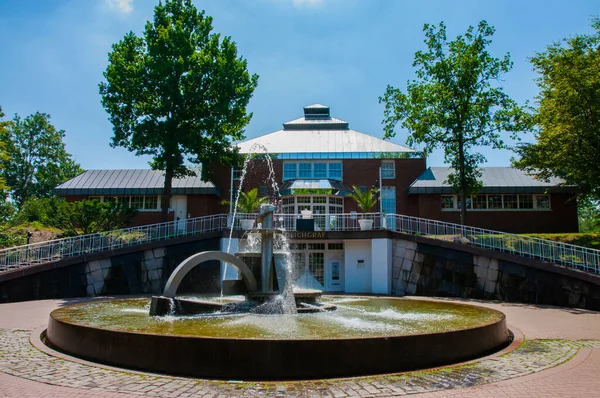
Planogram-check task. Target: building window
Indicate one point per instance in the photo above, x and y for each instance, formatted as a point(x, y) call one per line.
point(494, 201)
point(289, 171)
point(525, 201)
point(150, 202)
point(510, 201)
point(497, 202)
point(320, 170)
point(542, 202)
point(387, 169)
point(335, 171)
point(447, 202)
point(305, 170)
point(479, 202)
point(316, 170)
point(137, 202)
point(335, 246)
point(459, 202)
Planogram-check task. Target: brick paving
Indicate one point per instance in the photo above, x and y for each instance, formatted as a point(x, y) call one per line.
point(539, 368)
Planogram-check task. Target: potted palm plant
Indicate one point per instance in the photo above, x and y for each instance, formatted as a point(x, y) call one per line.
point(248, 202)
point(365, 202)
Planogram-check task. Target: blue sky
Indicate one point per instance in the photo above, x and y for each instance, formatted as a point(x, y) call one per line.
point(341, 53)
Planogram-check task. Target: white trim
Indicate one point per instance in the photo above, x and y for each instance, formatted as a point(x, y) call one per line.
point(393, 163)
point(155, 210)
point(312, 169)
point(534, 199)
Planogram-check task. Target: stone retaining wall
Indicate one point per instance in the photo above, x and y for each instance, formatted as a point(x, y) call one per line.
point(429, 270)
point(139, 272)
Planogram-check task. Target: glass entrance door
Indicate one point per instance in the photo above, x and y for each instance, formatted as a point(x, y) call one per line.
point(388, 205)
point(308, 265)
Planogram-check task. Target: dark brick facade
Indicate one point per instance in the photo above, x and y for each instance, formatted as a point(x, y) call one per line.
point(562, 217)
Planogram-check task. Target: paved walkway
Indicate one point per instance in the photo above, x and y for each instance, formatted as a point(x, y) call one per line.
point(560, 358)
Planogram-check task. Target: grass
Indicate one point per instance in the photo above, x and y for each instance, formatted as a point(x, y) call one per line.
point(591, 240)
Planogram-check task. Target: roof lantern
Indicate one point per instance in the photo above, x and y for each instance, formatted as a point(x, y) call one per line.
point(316, 111)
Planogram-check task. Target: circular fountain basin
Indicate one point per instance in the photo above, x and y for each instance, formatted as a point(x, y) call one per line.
point(364, 336)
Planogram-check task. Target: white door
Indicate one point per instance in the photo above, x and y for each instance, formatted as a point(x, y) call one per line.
point(335, 270)
point(179, 203)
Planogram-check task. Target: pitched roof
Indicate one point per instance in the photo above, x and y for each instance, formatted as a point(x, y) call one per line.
point(318, 132)
point(132, 182)
point(494, 179)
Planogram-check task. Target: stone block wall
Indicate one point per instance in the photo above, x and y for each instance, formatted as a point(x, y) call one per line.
point(430, 270)
point(141, 272)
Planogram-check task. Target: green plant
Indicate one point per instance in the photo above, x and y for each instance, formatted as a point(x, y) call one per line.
point(92, 216)
point(364, 200)
point(249, 201)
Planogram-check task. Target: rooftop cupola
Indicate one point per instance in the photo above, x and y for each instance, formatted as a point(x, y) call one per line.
point(316, 117)
point(316, 111)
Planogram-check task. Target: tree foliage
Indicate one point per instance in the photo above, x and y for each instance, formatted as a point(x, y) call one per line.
point(568, 113)
point(37, 160)
point(178, 93)
point(588, 212)
point(84, 216)
point(456, 103)
point(3, 154)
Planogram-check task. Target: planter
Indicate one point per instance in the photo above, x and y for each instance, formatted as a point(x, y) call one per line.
point(247, 224)
point(365, 225)
point(306, 214)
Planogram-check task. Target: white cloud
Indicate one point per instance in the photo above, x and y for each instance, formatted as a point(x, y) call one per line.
point(124, 6)
point(307, 3)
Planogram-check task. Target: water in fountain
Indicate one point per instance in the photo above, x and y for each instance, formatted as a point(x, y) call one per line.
point(254, 149)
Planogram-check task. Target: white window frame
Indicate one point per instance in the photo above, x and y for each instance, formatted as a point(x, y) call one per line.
point(158, 200)
point(328, 174)
point(393, 170)
point(534, 208)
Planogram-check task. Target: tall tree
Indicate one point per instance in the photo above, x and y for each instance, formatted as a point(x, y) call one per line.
point(37, 159)
point(456, 103)
point(3, 155)
point(568, 113)
point(178, 93)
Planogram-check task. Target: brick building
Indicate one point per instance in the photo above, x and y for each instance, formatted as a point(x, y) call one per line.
point(316, 160)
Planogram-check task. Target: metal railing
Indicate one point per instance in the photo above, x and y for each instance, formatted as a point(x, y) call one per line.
point(560, 253)
point(43, 252)
point(578, 257)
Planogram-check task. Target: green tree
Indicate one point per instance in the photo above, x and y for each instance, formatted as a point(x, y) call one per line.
point(456, 103)
point(3, 155)
point(588, 211)
point(567, 115)
point(178, 93)
point(84, 216)
point(37, 159)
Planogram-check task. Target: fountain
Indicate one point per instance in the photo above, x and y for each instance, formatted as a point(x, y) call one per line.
point(270, 330)
point(274, 295)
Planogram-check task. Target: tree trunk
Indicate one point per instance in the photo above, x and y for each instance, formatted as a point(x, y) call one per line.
point(462, 182)
point(166, 196)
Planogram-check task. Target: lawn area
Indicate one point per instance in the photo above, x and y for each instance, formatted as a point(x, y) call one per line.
point(17, 235)
point(585, 239)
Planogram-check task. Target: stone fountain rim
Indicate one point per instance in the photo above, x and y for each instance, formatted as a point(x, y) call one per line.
point(500, 319)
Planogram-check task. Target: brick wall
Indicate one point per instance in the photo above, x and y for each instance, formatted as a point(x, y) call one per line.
point(561, 218)
point(365, 172)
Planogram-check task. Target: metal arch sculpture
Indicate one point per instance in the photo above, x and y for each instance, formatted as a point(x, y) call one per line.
point(189, 263)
